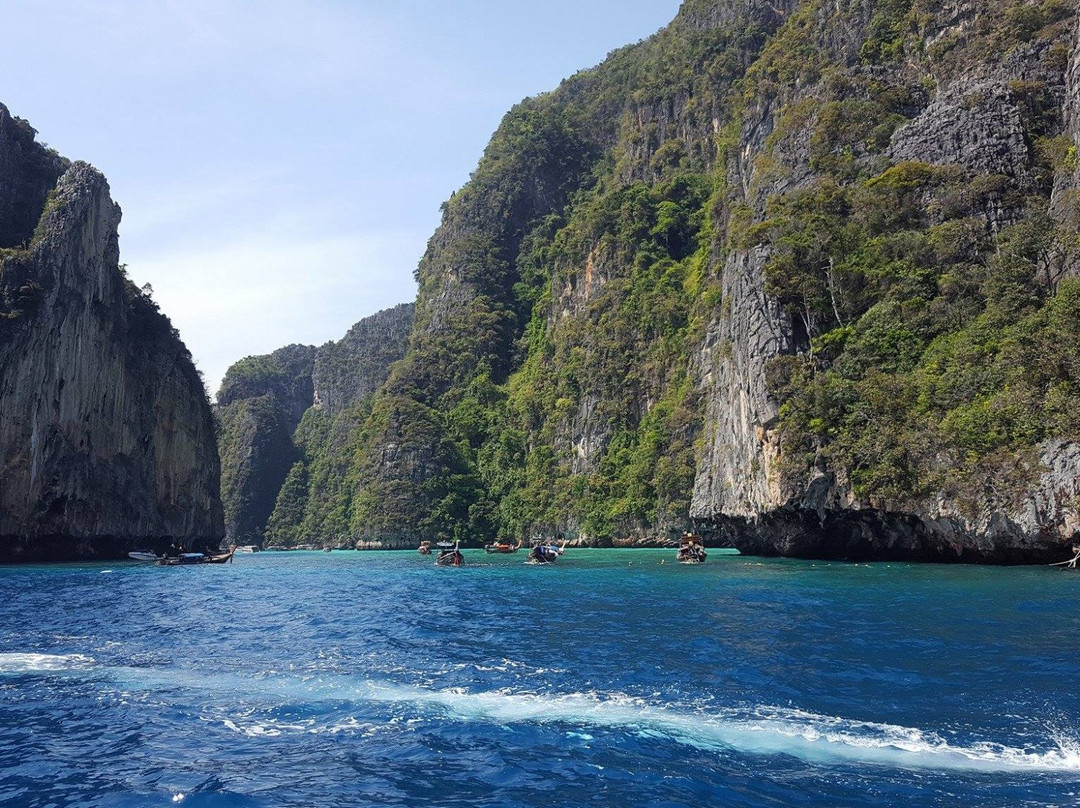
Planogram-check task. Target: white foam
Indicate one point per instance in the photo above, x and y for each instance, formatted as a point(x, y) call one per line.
point(30, 663)
point(766, 731)
point(266, 729)
point(762, 730)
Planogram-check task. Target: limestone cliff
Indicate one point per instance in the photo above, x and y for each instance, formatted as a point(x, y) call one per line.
point(546, 385)
point(261, 401)
point(973, 87)
point(106, 437)
point(277, 411)
point(353, 368)
point(791, 226)
point(801, 274)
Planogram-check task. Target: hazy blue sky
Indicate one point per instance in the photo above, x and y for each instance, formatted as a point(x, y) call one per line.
point(281, 163)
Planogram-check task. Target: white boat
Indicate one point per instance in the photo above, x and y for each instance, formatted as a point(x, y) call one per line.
point(248, 548)
point(142, 555)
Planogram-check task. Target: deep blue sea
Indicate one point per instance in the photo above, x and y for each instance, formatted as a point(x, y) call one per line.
point(607, 679)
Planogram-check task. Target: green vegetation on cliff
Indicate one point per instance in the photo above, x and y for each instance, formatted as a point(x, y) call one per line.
point(871, 204)
point(548, 382)
point(290, 424)
point(932, 300)
point(931, 336)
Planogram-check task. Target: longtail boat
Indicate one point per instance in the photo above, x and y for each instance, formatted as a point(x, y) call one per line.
point(190, 559)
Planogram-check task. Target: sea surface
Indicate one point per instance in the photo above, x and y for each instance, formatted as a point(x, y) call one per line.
point(612, 678)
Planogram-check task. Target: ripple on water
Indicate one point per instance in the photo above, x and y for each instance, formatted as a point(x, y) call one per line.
point(376, 679)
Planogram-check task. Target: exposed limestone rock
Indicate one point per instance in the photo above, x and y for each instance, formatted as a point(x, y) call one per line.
point(706, 14)
point(827, 523)
point(29, 173)
point(737, 474)
point(743, 495)
point(107, 440)
point(352, 368)
point(1065, 199)
point(974, 123)
point(264, 398)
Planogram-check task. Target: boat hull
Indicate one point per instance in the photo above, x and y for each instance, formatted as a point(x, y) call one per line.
point(196, 559)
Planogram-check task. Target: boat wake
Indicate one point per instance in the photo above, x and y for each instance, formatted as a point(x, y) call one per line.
point(277, 704)
point(762, 730)
point(43, 663)
point(810, 737)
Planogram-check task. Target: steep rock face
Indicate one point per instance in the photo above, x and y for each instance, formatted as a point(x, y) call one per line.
point(277, 410)
point(351, 369)
point(709, 15)
point(1067, 175)
point(29, 172)
point(107, 439)
point(286, 374)
point(974, 122)
point(260, 403)
point(257, 452)
point(985, 118)
point(737, 473)
point(879, 175)
point(826, 523)
point(801, 272)
point(556, 298)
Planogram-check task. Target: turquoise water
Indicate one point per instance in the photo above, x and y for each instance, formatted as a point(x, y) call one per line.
point(607, 679)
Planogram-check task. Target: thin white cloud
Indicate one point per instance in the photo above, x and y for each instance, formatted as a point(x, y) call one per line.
point(151, 210)
point(264, 291)
point(281, 163)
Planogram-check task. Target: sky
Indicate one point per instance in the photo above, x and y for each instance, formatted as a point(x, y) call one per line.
point(281, 164)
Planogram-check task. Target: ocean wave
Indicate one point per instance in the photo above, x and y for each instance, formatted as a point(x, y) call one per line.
point(31, 663)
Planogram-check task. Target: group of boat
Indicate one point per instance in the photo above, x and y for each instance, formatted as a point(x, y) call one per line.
point(447, 554)
point(546, 551)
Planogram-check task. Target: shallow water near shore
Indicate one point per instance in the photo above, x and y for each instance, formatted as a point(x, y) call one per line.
point(609, 678)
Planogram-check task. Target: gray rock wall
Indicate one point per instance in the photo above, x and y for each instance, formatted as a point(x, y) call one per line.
point(27, 173)
point(351, 369)
point(286, 374)
point(1065, 201)
point(1036, 526)
point(107, 440)
point(264, 398)
point(737, 471)
point(974, 119)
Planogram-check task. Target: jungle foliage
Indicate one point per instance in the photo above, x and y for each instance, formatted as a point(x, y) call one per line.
point(550, 381)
